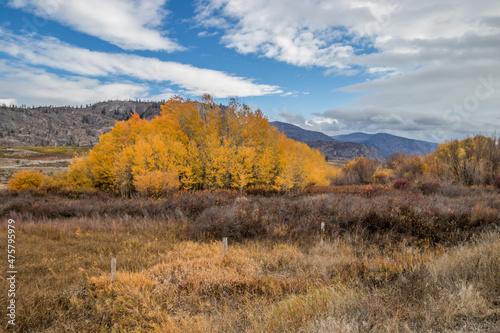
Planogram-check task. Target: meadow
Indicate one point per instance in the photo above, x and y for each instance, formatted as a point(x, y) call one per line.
point(394, 260)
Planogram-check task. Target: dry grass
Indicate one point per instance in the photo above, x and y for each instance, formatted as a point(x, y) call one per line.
point(172, 277)
point(456, 292)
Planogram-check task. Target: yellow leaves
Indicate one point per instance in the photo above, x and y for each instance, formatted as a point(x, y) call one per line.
point(383, 176)
point(157, 183)
point(472, 161)
point(194, 145)
point(241, 169)
point(24, 180)
point(79, 173)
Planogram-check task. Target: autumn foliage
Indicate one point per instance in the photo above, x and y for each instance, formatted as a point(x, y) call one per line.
point(25, 180)
point(196, 146)
point(473, 161)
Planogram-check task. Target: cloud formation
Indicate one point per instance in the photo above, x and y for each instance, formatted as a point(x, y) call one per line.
point(53, 53)
point(34, 86)
point(128, 24)
point(423, 61)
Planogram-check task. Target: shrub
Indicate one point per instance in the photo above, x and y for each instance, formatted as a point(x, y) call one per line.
point(360, 171)
point(383, 176)
point(496, 182)
point(369, 191)
point(25, 180)
point(429, 187)
point(401, 184)
point(157, 183)
point(404, 166)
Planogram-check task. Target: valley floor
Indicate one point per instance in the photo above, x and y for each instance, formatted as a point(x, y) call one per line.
point(276, 277)
point(47, 160)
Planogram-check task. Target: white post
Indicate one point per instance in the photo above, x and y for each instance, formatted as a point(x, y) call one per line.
point(322, 233)
point(224, 247)
point(113, 269)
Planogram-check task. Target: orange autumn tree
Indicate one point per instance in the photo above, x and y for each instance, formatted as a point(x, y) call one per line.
point(200, 145)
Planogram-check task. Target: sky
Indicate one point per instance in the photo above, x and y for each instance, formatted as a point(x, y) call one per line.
point(426, 69)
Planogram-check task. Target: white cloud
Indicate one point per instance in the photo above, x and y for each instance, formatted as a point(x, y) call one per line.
point(297, 32)
point(129, 24)
point(53, 53)
point(334, 33)
point(8, 101)
point(422, 58)
point(32, 86)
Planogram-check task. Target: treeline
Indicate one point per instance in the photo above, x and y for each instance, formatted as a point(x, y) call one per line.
point(204, 146)
point(196, 146)
point(472, 161)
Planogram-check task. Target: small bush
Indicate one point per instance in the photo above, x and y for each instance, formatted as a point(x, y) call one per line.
point(383, 176)
point(25, 180)
point(401, 184)
point(454, 190)
point(370, 191)
point(496, 182)
point(429, 187)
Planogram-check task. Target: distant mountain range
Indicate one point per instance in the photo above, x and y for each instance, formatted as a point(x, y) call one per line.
point(376, 146)
point(300, 134)
point(82, 126)
point(388, 144)
point(328, 146)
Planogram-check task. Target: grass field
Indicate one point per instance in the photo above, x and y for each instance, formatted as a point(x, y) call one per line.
point(276, 277)
point(23, 152)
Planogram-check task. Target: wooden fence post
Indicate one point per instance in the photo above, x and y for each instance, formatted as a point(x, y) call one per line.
point(113, 269)
point(224, 247)
point(323, 236)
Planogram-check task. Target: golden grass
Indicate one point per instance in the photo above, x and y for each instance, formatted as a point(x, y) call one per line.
point(167, 283)
point(67, 152)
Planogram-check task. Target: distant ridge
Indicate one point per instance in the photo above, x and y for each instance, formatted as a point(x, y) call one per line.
point(300, 134)
point(331, 148)
point(388, 144)
point(66, 125)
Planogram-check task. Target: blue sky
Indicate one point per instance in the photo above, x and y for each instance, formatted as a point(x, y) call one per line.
point(428, 70)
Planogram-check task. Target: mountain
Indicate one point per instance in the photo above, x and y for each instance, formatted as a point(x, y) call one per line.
point(300, 134)
point(345, 151)
point(67, 126)
point(331, 148)
point(82, 126)
point(388, 144)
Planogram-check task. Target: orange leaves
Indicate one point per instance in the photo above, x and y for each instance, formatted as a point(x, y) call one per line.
point(200, 145)
point(24, 180)
point(157, 183)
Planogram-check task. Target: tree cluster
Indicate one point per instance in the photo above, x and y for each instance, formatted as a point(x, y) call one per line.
point(198, 145)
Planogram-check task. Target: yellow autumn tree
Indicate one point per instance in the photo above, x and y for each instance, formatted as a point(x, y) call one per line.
point(472, 161)
point(199, 145)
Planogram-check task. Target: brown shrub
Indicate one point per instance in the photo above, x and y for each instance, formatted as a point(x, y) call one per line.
point(496, 182)
point(429, 187)
point(401, 184)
